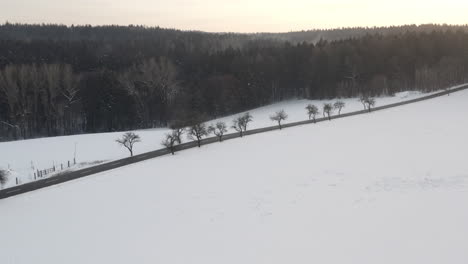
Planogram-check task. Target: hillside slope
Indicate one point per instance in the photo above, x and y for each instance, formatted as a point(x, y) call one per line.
point(388, 187)
point(25, 157)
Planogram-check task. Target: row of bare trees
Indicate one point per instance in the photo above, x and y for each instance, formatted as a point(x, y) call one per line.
point(329, 108)
point(199, 129)
point(196, 132)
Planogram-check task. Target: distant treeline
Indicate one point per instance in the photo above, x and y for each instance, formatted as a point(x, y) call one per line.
point(58, 80)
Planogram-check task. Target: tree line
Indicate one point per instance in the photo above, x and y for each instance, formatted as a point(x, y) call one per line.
point(197, 130)
point(58, 80)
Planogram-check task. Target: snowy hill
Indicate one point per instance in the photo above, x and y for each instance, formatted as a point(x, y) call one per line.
point(27, 156)
point(387, 187)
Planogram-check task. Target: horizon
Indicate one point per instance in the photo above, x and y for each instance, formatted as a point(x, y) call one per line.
point(231, 32)
point(259, 16)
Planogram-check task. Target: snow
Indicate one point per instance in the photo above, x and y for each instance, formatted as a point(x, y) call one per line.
point(25, 157)
point(385, 187)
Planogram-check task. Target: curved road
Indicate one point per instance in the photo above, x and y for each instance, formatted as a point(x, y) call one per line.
point(39, 184)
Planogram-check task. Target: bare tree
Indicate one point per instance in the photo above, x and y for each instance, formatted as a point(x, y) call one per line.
point(368, 102)
point(178, 132)
point(219, 130)
point(128, 140)
point(246, 119)
point(178, 128)
point(312, 111)
point(169, 142)
point(70, 91)
point(197, 132)
point(237, 125)
point(363, 100)
point(339, 105)
point(3, 177)
point(328, 110)
point(241, 122)
point(279, 117)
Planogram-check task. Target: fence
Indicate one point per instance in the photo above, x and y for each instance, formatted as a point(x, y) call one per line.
point(43, 173)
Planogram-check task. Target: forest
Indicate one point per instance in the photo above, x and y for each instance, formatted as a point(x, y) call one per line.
point(63, 80)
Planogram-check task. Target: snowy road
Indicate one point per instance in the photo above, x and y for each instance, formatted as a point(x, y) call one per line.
point(73, 175)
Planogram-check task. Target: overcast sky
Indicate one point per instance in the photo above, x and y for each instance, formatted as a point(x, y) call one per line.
point(237, 15)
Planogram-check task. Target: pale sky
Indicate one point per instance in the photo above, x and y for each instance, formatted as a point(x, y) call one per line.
point(236, 15)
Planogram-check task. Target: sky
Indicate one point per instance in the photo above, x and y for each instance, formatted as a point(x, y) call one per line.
point(236, 15)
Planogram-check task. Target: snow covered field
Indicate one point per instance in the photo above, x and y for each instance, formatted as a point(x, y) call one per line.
point(25, 157)
point(387, 187)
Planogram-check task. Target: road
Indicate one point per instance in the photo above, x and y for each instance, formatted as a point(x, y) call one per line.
point(69, 176)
